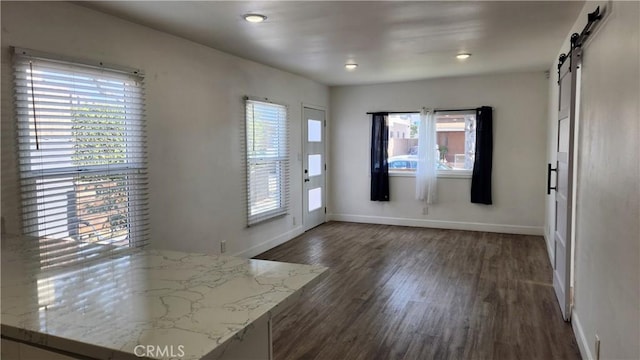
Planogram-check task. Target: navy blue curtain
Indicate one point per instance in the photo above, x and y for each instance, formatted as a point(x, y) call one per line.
point(379, 166)
point(481, 180)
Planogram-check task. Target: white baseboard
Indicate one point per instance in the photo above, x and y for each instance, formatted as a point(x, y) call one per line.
point(439, 224)
point(583, 344)
point(550, 252)
point(269, 244)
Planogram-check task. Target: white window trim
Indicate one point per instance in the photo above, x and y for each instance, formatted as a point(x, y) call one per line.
point(455, 174)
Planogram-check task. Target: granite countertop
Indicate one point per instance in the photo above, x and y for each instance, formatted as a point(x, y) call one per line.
point(105, 307)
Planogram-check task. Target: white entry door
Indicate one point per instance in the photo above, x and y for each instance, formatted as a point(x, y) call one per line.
point(562, 235)
point(314, 168)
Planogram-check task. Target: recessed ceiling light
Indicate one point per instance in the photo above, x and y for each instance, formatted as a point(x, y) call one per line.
point(463, 56)
point(350, 66)
point(255, 18)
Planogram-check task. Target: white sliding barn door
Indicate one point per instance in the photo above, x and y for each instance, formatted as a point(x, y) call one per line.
point(564, 188)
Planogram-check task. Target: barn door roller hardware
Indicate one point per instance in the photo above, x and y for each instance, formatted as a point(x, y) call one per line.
point(577, 40)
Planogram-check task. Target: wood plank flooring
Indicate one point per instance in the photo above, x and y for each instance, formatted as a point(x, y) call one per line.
point(412, 293)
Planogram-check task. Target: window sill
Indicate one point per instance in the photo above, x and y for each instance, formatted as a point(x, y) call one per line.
point(452, 174)
point(455, 174)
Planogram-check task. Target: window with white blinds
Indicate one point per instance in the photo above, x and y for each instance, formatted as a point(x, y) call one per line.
point(82, 153)
point(267, 160)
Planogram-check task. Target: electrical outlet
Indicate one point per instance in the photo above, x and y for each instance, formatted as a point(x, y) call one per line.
point(425, 210)
point(597, 348)
point(223, 247)
point(294, 220)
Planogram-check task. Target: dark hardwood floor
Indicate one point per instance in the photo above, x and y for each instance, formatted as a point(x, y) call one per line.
point(412, 293)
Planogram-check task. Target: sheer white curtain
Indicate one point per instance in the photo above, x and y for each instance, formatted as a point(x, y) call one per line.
point(427, 171)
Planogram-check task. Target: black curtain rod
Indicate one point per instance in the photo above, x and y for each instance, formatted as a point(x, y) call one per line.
point(413, 112)
point(393, 112)
point(450, 110)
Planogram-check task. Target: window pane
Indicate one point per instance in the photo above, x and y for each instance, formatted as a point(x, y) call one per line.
point(315, 199)
point(314, 129)
point(403, 142)
point(315, 167)
point(265, 187)
point(456, 141)
point(81, 143)
point(267, 160)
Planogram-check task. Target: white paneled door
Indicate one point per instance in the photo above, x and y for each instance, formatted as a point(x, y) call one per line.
point(314, 167)
point(562, 235)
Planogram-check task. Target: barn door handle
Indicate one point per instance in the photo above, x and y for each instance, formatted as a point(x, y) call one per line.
point(549, 170)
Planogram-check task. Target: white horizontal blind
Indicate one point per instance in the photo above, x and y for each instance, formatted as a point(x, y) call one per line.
point(82, 155)
point(267, 151)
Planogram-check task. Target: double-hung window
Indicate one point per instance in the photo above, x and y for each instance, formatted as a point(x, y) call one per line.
point(455, 139)
point(81, 150)
point(267, 160)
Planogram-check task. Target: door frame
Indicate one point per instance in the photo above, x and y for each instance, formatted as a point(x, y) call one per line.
point(304, 223)
point(574, 195)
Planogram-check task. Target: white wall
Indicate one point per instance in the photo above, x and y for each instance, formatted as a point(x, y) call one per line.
point(194, 113)
point(607, 245)
point(519, 101)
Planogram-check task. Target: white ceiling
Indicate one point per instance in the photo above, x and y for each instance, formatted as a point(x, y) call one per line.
point(391, 41)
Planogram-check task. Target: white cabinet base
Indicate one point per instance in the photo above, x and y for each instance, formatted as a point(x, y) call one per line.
point(255, 344)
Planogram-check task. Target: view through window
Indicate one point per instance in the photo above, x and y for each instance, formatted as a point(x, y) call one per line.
point(456, 140)
point(82, 153)
point(267, 155)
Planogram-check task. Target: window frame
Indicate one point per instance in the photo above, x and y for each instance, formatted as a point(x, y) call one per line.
point(446, 174)
point(32, 175)
point(282, 162)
